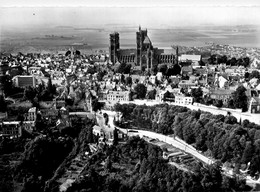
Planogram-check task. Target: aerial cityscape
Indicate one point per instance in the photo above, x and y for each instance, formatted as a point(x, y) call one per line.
point(127, 99)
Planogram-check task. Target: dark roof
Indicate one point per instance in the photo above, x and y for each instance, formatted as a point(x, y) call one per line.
point(123, 52)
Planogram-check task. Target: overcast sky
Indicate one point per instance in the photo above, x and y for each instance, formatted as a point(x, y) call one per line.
point(152, 13)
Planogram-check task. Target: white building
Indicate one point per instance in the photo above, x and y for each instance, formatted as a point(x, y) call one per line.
point(152, 79)
point(117, 96)
point(11, 128)
point(195, 59)
point(183, 100)
point(24, 81)
point(31, 116)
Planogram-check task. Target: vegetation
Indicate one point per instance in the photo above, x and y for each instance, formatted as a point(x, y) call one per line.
point(138, 166)
point(32, 161)
point(218, 59)
point(220, 136)
point(239, 99)
point(123, 68)
point(2, 104)
point(140, 91)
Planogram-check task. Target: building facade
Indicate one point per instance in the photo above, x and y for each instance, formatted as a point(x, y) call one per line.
point(221, 94)
point(144, 55)
point(114, 47)
point(32, 114)
point(117, 96)
point(11, 129)
point(24, 81)
point(183, 100)
point(254, 105)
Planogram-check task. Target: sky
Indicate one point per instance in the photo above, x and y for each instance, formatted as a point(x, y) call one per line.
point(152, 13)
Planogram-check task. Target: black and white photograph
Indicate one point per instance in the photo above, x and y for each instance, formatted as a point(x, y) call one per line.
point(129, 96)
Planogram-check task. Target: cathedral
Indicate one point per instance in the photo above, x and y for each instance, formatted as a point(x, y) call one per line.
point(144, 55)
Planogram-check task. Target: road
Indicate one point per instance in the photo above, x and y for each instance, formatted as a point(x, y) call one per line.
point(176, 142)
point(164, 138)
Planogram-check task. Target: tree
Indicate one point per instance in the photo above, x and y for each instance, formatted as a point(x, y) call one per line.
point(77, 52)
point(248, 152)
point(163, 68)
point(140, 89)
point(115, 132)
point(68, 53)
point(100, 75)
point(90, 138)
point(122, 78)
point(128, 80)
point(51, 89)
point(197, 94)
point(151, 94)
point(254, 74)
point(174, 70)
point(232, 61)
point(105, 115)
point(154, 69)
point(121, 68)
point(7, 85)
point(29, 93)
point(247, 75)
point(2, 104)
point(96, 105)
point(108, 164)
point(218, 103)
point(246, 61)
point(212, 59)
point(124, 68)
point(240, 98)
point(127, 69)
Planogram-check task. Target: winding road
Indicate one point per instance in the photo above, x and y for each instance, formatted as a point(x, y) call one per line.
point(164, 138)
point(176, 142)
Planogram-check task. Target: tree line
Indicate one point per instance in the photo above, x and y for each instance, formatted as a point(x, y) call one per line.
point(222, 137)
point(139, 166)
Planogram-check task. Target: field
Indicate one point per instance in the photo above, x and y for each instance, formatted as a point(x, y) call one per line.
point(88, 40)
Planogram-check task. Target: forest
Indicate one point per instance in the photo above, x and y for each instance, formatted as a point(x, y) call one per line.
point(218, 136)
point(139, 166)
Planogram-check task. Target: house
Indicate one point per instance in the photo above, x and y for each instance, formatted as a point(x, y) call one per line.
point(200, 71)
point(221, 94)
point(160, 95)
point(117, 96)
point(64, 120)
point(32, 114)
point(64, 113)
point(186, 70)
point(255, 63)
point(98, 131)
point(183, 100)
point(59, 103)
point(195, 59)
point(254, 105)
point(49, 114)
point(221, 82)
point(152, 79)
point(11, 129)
point(88, 100)
point(28, 126)
point(24, 81)
point(174, 79)
point(104, 134)
point(187, 84)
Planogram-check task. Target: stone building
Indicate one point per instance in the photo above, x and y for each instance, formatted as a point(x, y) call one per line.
point(144, 55)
